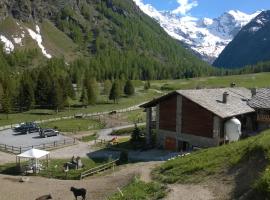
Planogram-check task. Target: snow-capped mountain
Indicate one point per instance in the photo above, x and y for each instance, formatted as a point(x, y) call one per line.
point(254, 42)
point(206, 37)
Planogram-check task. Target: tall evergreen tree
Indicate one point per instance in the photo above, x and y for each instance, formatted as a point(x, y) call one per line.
point(84, 97)
point(43, 88)
point(107, 87)
point(26, 95)
point(1, 91)
point(129, 88)
point(6, 103)
point(115, 92)
point(92, 91)
point(57, 99)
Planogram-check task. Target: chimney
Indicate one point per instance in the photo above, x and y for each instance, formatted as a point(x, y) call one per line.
point(253, 91)
point(225, 97)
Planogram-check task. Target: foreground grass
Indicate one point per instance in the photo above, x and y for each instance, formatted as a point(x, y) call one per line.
point(55, 169)
point(74, 125)
point(139, 190)
point(200, 165)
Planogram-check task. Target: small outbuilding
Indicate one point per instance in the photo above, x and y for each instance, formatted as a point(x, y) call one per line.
point(34, 156)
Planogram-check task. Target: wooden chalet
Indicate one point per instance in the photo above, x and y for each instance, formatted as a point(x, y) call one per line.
point(195, 118)
point(260, 101)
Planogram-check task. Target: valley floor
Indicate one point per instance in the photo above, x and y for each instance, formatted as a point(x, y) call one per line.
point(98, 187)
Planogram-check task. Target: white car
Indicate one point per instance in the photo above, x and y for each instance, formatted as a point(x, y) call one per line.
point(48, 132)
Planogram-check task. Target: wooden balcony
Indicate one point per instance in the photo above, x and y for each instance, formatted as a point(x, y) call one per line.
point(263, 118)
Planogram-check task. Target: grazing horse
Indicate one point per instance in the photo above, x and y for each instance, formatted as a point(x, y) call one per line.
point(77, 192)
point(44, 197)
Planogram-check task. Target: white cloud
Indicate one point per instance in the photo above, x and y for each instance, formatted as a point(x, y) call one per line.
point(185, 6)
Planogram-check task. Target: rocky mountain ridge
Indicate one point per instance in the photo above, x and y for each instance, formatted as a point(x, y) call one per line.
point(206, 37)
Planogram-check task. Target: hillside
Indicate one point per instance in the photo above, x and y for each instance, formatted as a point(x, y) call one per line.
point(241, 169)
point(114, 34)
point(250, 46)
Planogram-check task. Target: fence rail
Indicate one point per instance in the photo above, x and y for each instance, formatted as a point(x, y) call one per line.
point(130, 109)
point(44, 146)
point(98, 169)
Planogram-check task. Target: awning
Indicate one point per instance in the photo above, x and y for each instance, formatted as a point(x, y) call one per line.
point(33, 153)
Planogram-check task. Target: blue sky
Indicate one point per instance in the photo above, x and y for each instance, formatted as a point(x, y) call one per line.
point(209, 8)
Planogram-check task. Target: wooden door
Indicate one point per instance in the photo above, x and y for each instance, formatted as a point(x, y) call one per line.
point(170, 144)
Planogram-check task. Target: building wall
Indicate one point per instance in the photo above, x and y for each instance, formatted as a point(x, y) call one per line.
point(196, 120)
point(167, 114)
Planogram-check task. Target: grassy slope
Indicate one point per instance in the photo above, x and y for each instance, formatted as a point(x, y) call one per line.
point(204, 164)
point(58, 43)
point(248, 80)
point(141, 191)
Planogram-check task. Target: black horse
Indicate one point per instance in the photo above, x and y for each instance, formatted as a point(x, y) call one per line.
point(77, 192)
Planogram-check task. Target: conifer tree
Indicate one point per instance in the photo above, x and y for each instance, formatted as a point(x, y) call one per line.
point(57, 100)
point(43, 89)
point(129, 88)
point(92, 91)
point(6, 103)
point(107, 87)
point(26, 95)
point(84, 98)
point(115, 92)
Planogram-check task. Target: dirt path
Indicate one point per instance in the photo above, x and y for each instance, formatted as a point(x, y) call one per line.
point(6, 158)
point(98, 187)
point(189, 192)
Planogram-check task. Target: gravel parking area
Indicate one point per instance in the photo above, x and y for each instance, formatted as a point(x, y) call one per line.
point(11, 138)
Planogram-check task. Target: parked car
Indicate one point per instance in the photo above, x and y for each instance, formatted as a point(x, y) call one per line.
point(48, 132)
point(28, 127)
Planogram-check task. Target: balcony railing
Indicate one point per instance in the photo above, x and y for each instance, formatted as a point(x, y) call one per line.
point(263, 117)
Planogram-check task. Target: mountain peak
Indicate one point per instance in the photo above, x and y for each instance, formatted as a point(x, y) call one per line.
point(255, 35)
point(206, 37)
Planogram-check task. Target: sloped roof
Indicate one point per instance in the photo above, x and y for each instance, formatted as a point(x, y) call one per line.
point(261, 99)
point(33, 153)
point(212, 100)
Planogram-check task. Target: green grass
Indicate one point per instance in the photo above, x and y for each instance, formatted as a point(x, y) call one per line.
point(202, 165)
point(247, 80)
point(56, 168)
point(57, 42)
point(74, 125)
point(89, 138)
point(103, 105)
point(138, 190)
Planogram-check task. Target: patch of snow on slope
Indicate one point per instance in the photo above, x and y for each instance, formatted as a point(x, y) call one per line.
point(37, 36)
point(8, 45)
point(18, 40)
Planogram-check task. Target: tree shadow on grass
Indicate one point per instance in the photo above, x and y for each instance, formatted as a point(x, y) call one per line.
point(246, 173)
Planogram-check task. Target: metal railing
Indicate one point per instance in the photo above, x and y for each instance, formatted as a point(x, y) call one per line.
point(98, 169)
point(44, 146)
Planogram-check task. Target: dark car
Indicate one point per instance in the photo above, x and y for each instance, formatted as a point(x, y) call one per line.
point(28, 127)
point(48, 132)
